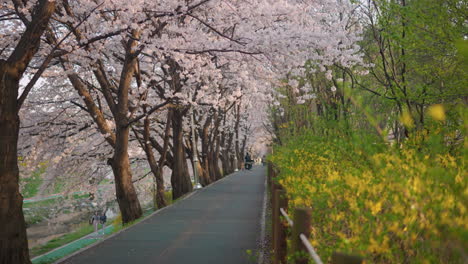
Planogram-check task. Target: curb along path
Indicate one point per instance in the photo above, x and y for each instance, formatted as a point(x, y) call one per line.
point(217, 224)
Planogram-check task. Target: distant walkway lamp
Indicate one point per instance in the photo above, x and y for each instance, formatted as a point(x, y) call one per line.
point(195, 154)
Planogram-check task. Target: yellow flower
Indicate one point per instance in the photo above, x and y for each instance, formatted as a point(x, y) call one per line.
point(406, 119)
point(376, 207)
point(437, 112)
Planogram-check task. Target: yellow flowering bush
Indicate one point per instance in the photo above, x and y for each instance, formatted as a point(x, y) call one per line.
point(387, 204)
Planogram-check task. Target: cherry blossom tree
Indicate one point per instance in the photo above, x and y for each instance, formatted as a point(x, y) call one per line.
point(128, 61)
point(17, 52)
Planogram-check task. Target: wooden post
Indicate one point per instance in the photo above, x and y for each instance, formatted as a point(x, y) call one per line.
point(302, 224)
point(274, 215)
point(272, 182)
point(272, 187)
point(279, 228)
point(339, 258)
point(269, 173)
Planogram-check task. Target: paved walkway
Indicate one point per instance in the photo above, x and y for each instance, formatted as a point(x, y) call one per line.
point(218, 224)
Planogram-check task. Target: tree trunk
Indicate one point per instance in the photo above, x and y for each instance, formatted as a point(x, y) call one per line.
point(229, 156)
point(239, 156)
point(214, 148)
point(212, 165)
point(180, 179)
point(226, 163)
point(156, 169)
point(127, 197)
point(242, 150)
point(160, 197)
point(232, 161)
point(205, 156)
point(158, 177)
point(218, 172)
point(13, 240)
point(226, 155)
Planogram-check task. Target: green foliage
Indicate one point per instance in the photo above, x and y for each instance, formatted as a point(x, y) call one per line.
point(106, 181)
point(77, 196)
point(43, 203)
point(32, 184)
point(59, 185)
point(85, 229)
point(118, 221)
point(417, 51)
point(168, 197)
point(37, 211)
point(251, 257)
point(389, 204)
point(381, 157)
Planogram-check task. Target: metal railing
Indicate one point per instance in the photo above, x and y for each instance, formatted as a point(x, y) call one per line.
point(300, 223)
point(305, 241)
point(286, 216)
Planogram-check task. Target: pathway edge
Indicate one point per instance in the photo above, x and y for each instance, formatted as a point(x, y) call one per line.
point(126, 228)
point(261, 243)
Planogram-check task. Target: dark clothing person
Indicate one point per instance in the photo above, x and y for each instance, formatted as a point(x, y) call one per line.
point(248, 158)
point(248, 161)
point(103, 223)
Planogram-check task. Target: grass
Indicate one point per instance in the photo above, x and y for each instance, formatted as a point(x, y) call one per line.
point(80, 196)
point(84, 230)
point(51, 201)
point(35, 212)
point(59, 185)
point(106, 181)
point(43, 203)
point(33, 219)
point(32, 184)
point(168, 196)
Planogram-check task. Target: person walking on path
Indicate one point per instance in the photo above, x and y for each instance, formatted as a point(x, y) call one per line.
point(95, 219)
point(248, 161)
point(103, 221)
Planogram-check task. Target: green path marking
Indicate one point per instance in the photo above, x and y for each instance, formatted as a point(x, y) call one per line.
point(69, 248)
point(76, 245)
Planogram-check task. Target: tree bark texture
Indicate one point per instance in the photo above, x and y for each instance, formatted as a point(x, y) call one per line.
point(156, 169)
point(13, 240)
point(217, 170)
point(202, 174)
point(204, 157)
point(127, 197)
point(226, 157)
point(213, 150)
point(180, 179)
point(239, 156)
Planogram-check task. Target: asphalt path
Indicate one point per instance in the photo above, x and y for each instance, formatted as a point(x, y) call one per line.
point(220, 223)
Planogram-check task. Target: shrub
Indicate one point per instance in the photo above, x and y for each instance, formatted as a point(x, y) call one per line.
point(390, 204)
